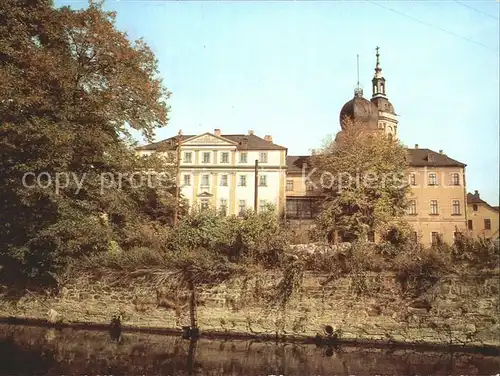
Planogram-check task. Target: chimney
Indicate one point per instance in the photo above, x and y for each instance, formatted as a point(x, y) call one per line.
point(251, 132)
point(268, 138)
point(476, 193)
point(416, 146)
point(441, 151)
point(217, 131)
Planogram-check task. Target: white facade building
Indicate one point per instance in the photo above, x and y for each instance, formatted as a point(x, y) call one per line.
point(218, 170)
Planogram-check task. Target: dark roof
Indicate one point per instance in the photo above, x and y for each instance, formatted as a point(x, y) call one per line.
point(430, 158)
point(359, 110)
point(475, 199)
point(294, 163)
point(254, 142)
point(416, 158)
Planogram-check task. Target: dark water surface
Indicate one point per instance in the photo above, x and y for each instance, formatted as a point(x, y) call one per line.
point(42, 351)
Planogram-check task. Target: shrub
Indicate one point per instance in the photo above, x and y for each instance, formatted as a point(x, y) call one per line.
point(479, 252)
point(417, 271)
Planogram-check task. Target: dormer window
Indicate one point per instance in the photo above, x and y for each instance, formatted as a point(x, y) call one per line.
point(430, 157)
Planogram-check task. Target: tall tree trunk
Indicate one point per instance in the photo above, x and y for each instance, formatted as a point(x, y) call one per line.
point(192, 305)
point(191, 356)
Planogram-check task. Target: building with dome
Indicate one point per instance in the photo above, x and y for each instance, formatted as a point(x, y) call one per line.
point(218, 170)
point(376, 113)
point(437, 200)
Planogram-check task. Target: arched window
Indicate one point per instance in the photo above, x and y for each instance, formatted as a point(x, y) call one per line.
point(382, 90)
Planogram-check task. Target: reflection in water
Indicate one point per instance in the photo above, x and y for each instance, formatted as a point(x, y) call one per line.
point(42, 351)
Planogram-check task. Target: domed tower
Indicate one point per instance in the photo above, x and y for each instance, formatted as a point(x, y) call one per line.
point(359, 110)
point(387, 120)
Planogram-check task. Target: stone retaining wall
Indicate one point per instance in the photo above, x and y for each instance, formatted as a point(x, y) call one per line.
point(461, 311)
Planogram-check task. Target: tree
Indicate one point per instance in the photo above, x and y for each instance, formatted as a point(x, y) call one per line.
point(72, 87)
point(362, 173)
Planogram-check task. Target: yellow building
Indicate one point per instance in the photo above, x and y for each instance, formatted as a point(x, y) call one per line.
point(302, 198)
point(482, 218)
point(437, 202)
point(437, 182)
point(218, 170)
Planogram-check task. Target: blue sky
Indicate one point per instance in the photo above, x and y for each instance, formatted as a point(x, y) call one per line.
point(285, 68)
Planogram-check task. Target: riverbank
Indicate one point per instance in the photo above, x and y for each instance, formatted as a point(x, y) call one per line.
point(323, 341)
point(29, 350)
point(368, 309)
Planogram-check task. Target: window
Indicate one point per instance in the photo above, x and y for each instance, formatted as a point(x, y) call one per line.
point(469, 224)
point(263, 180)
point(205, 180)
point(263, 157)
point(432, 179)
point(487, 224)
point(455, 179)
point(204, 204)
point(309, 186)
point(474, 207)
point(187, 180)
point(206, 157)
point(434, 207)
point(223, 180)
point(289, 185)
point(413, 179)
point(262, 205)
point(188, 157)
point(243, 180)
point(243, 157)
point(434, 238)
point(301, 208)
point(412, 207)
point(241, 208)
point(223, 206)
point(224, 157)
point(456, 207)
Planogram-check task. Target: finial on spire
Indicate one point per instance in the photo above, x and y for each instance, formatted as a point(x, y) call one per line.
point(377, 67)
point(358, 92)
point(357, 61)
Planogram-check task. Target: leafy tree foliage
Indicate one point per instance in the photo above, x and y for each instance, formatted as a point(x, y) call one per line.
point(72, 87)
point(207, 248)
point(363, 175)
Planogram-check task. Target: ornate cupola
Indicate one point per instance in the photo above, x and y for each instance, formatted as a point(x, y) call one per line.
point(378, 80)
point(387, 121)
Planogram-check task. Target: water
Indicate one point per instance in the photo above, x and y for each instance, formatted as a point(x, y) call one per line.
point(42, 351)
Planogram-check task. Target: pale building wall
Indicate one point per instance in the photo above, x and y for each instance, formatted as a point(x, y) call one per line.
point(388, 123)
point(445, 222)
point(273, 169)
point(299, 187)
point(478, 216)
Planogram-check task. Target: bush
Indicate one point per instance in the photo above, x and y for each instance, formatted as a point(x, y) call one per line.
point(479, 253)
point(254, 238)
point(419, 270)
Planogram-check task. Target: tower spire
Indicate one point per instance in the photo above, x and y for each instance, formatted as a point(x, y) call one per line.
point(377, 67)
point(358, 92)
point(378, 79)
